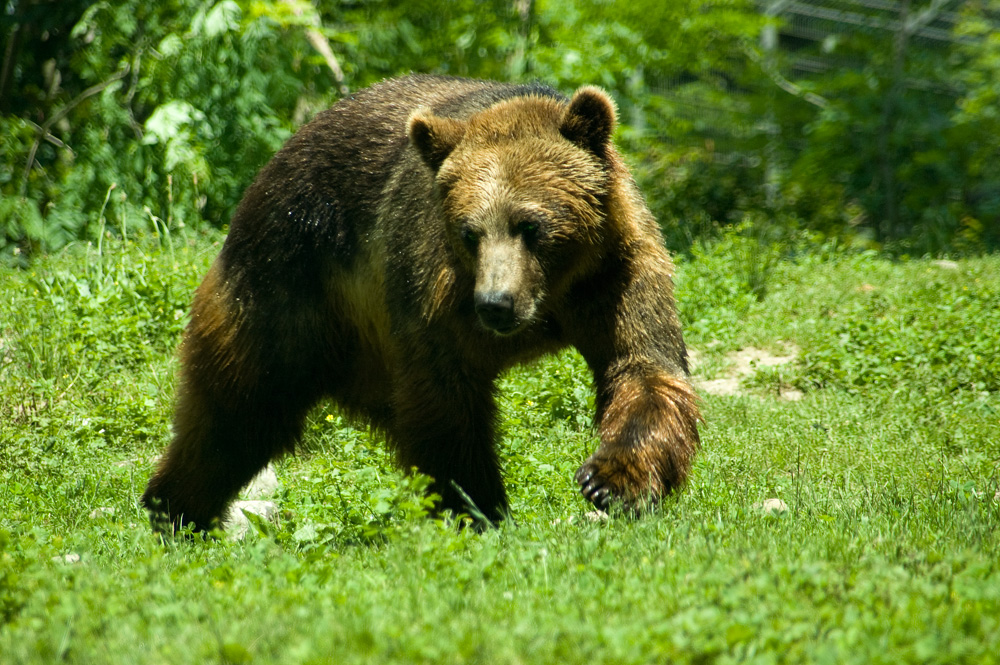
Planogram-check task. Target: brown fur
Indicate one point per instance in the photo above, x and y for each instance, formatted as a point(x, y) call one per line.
point(399, 253)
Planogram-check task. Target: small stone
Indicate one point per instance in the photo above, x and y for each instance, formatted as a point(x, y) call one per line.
point(597, 516)
point(946, 264)
point(771, 506)
point(236, 522)
point(263, 484)
point(103, 511)
point(70, 558)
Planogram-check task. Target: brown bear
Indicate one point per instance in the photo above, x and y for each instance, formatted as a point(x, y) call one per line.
point(401, 251)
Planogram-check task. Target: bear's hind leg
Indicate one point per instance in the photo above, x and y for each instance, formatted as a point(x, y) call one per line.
point(247, 381)
point(217, 449)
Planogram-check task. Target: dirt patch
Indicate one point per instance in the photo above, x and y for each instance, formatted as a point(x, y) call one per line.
point(741, 364)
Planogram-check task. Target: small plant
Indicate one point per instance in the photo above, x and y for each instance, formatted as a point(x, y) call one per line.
point(924, 326)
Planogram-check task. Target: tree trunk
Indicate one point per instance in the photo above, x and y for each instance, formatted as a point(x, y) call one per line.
point(888, 227)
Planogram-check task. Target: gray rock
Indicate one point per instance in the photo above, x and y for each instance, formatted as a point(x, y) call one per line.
point(263, 484)
point(771, 506)
point(236, 522)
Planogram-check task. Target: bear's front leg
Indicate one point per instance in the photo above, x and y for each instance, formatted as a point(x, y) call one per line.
point(444, 424)
point(647, 420)
point(647, 413)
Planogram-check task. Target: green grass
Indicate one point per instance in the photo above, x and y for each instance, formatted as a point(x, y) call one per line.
point(889, 465)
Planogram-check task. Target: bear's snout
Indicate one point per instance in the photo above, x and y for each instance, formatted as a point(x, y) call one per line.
point(503, 272)
point(495, 310)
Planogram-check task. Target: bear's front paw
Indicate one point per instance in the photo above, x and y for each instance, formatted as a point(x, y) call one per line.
point(593, 486)
point(605, 480)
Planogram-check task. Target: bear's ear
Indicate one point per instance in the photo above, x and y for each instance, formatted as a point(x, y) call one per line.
point(434, 137)
point(589, 120)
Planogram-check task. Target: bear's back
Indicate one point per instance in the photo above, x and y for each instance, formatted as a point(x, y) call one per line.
point(318, 197)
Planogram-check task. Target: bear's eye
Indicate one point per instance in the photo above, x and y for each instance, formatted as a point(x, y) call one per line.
point(528, 230)
point(469, 237)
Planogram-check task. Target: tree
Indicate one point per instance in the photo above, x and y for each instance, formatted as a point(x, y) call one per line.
point(881, 126)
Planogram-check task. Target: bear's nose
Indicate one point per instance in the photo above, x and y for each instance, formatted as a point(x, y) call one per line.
point(496, 310)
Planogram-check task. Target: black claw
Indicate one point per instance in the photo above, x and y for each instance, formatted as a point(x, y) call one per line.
point(593, 488)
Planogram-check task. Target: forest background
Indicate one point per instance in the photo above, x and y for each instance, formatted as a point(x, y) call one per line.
point(869, 122)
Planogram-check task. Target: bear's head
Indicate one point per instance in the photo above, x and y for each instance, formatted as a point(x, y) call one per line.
point(522, 187)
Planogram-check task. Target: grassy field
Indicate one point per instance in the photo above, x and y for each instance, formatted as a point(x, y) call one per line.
point(888, 465)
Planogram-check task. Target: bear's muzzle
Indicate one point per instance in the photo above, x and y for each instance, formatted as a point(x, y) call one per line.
point(495, 310)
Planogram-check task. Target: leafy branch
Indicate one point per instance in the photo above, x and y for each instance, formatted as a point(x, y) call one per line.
point(772, 73)
point(319, 40)
point(42, 132)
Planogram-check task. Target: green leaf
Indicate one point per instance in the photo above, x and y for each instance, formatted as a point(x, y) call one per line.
point(168, 119)
point(222, 18)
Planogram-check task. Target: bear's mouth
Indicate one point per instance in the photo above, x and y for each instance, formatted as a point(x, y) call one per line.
point(497, 313)
point(501, 326)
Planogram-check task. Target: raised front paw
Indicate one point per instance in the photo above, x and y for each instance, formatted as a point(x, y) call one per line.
point(605, 480)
